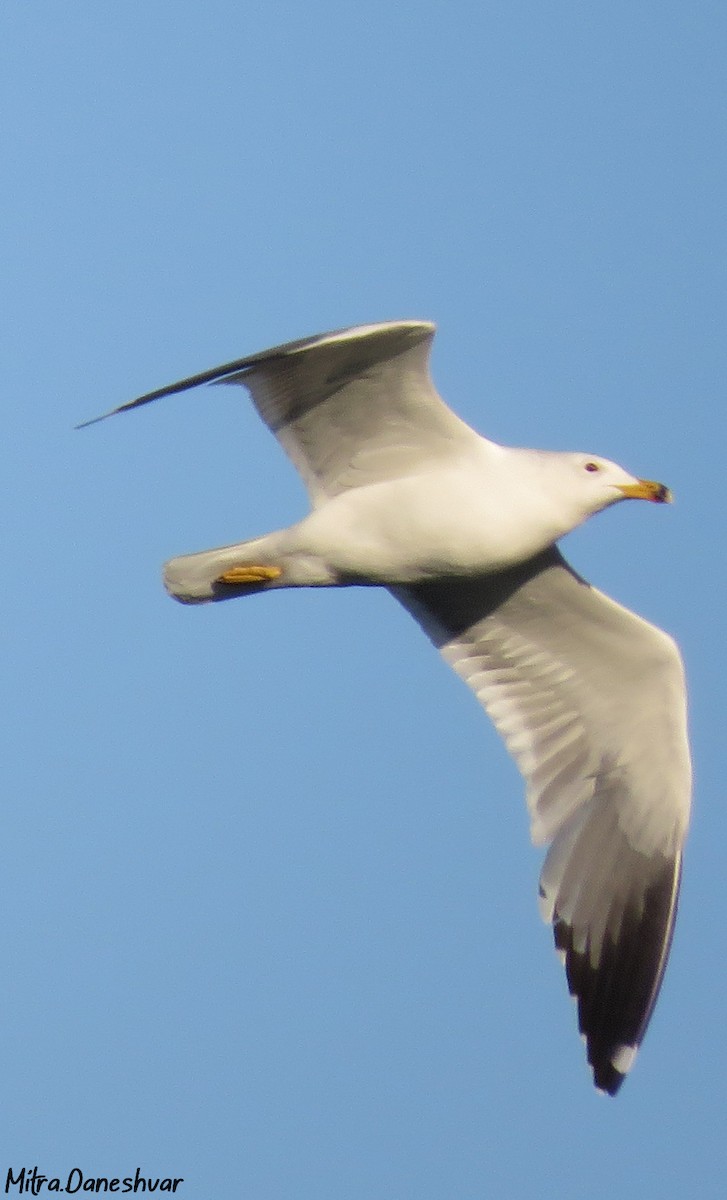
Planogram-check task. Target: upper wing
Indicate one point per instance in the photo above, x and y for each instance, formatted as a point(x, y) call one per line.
point(590, 700)
point(350, 407)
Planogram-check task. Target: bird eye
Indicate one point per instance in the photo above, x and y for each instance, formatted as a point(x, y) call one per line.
point(592, 466)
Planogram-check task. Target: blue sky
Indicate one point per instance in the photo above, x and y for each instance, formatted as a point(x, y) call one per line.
point(268, 901)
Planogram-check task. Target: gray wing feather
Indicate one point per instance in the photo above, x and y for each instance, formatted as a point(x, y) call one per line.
point(350, 407)
point(590, 701)
point(355, 407)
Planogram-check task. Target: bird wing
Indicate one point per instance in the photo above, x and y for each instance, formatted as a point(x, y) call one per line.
point(590, 701)
point(351, 407)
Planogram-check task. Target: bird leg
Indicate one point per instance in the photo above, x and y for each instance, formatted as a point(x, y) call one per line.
point(249, 574)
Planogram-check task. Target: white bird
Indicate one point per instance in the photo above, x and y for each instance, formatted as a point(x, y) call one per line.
point(589, 698)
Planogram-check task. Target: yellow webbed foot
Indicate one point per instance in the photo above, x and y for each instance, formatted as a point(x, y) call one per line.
point(252, 574)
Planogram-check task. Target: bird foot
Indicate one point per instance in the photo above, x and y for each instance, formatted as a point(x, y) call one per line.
point(252, 574)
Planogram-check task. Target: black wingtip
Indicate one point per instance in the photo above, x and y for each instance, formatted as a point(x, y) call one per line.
point(171, 389)
point(607, 1079)
point(95, 420)
point(600, 1011)
point(617, 993)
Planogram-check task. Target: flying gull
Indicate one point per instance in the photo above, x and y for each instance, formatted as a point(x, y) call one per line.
point(589, 698)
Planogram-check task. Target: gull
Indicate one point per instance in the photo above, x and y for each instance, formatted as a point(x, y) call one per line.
point(589, 698)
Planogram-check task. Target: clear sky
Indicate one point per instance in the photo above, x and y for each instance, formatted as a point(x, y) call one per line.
point(268, 909)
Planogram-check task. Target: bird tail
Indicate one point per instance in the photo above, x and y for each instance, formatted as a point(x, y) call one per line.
point(196, 578)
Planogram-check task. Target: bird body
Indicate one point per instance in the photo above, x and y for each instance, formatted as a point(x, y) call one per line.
point(436, 521)
point(589, 698)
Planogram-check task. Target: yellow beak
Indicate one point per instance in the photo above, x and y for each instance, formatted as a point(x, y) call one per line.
point(646, 489)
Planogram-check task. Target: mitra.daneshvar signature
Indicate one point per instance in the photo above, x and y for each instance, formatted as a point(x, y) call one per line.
point(29, 1181)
